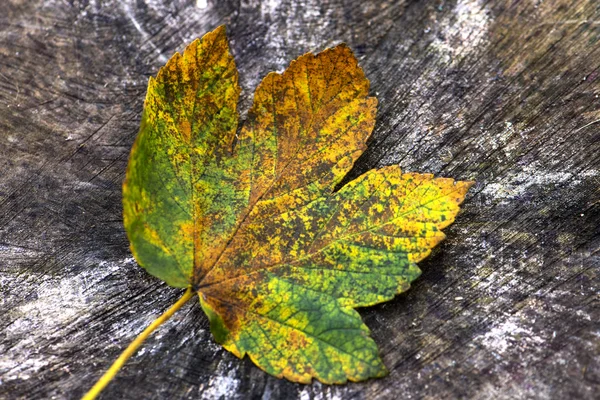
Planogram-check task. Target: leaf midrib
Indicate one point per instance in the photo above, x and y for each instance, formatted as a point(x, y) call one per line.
point(308, 255)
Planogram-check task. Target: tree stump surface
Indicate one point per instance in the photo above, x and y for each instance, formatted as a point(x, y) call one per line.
point(502, 92)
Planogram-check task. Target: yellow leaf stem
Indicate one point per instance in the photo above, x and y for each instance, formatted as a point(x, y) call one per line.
point(116, 366)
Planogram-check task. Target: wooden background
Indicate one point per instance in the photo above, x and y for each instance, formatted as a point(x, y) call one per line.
point(502, 92)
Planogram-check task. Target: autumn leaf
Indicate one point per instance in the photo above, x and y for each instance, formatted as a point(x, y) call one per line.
point(251, 222)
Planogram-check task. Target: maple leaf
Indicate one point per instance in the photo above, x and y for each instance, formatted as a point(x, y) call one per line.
point(251, 222)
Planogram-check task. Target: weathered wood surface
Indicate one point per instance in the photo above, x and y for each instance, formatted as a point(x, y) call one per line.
point(502, 92)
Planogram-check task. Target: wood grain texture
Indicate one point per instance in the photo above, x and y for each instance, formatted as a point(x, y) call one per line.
point(505, 93)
